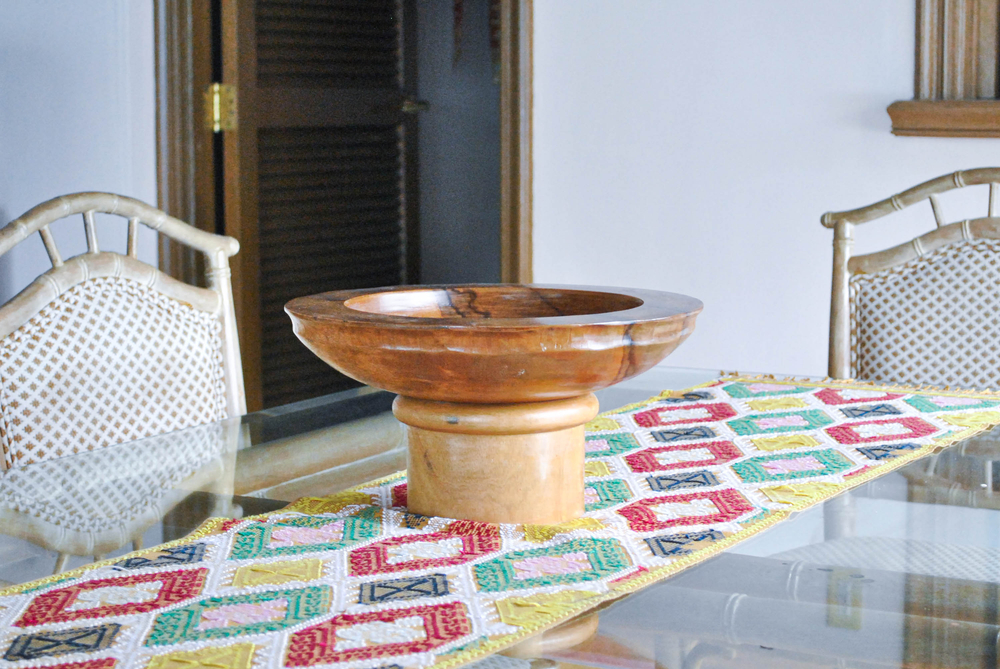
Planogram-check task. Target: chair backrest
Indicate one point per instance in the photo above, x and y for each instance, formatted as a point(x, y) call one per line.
point(926, 312)
point(103, 348)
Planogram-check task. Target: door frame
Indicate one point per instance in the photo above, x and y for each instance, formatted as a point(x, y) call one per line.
point(516, 69)
point(185, 154)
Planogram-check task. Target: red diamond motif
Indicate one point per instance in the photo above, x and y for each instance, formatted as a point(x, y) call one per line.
point(82, 601)
point(378, 558)
point(835, 396)
point(647, 515)
point(399, 495)
point(442, 623)
point(890, 429)
point(685, 413)
point(716, 452)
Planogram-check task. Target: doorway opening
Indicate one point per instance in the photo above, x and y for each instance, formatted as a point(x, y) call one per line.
point(344, 144)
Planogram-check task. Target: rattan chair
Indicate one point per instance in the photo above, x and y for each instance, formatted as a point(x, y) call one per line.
point(926, 312)
point(103, 349)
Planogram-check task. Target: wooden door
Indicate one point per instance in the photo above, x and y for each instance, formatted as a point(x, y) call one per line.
point(318, 172)
point(318, 180)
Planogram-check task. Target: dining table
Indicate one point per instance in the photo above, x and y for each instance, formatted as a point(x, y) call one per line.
point(900, 571)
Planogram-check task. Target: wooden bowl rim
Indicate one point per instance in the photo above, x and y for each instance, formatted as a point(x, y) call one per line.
point(656, 306)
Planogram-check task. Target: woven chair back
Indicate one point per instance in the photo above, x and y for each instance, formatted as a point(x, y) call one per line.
point(103, 349)
point(926, 312)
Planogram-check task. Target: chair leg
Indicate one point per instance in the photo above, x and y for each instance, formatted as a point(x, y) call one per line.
point(137, 543)
point(61, 563)
point(98, 558)
point(838, 517)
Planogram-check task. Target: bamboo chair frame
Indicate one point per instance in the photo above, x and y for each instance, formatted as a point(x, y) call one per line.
point(845, 265)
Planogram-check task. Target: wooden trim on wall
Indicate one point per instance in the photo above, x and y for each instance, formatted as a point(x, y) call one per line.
point(515, 141)
point(946, 118)
point(184, 157)
point(955, 82)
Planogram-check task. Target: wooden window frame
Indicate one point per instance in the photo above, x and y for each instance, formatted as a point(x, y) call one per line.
point(955, 83)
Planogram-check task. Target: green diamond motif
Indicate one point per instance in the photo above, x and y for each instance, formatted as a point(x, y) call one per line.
point(941, 403)
point(791, 466)
point(575, 561)
point(608, 493)
point(777, 423)
point(762, 389)
point(603, 445)
point(237, 615)
point(289, 536)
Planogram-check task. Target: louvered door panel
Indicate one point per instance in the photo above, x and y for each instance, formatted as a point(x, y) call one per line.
point(317, 170)
point(330, 206)
point(333, 43)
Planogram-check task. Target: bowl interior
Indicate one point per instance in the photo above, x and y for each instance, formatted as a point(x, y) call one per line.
point(482, 302)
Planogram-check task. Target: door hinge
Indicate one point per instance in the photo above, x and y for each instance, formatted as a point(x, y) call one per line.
point(220, 107)
point(411, 106)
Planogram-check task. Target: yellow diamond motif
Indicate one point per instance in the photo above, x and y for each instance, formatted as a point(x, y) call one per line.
point(794, 493)
point(603, 424)
point(977, 420)
point(239, 656)
point(596, 468)
point(278, 572)
point(774, 403)
point(540, 608)
point(784, 442)
point(329, 504)
point(540, 533)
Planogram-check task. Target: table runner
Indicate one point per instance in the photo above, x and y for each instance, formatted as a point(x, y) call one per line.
point(353, 580)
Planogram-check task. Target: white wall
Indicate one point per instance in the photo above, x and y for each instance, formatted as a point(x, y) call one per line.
point(692, 147)
point(76, 113)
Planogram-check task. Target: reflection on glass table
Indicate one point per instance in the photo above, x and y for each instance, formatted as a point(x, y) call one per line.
point(903, 571)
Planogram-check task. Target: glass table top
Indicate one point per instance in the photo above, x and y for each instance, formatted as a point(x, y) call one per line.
point(903, 571)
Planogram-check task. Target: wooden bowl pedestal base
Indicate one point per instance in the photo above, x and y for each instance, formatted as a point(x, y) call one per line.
point(501, 463)
point(497, 463)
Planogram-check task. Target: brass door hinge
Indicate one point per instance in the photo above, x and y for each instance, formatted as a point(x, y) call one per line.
point(220, 107)
point(411, 106)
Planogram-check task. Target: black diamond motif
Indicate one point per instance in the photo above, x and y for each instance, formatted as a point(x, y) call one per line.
point(699, 479)
point(684, 434)
point(414, 521)
point(870, 411)
point(680, 544)
point(433, 585)
point(695, 396)
point(886, 451)
point(168, 557)
point(49, 644)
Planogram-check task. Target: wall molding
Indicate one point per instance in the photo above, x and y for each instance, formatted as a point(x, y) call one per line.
point(955, 83)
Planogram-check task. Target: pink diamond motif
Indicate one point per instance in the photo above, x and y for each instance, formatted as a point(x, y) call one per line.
point(243, 614)
point(290, 535)
point(786, 466)
point(766, 387)
point(596, 445)
point(954, 401)
point(782, 421)
point(549, 565)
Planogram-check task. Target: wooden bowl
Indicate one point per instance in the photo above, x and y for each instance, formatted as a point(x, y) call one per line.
point(493, 343)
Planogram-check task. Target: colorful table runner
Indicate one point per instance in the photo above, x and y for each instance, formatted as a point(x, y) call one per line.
point(353, 580)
